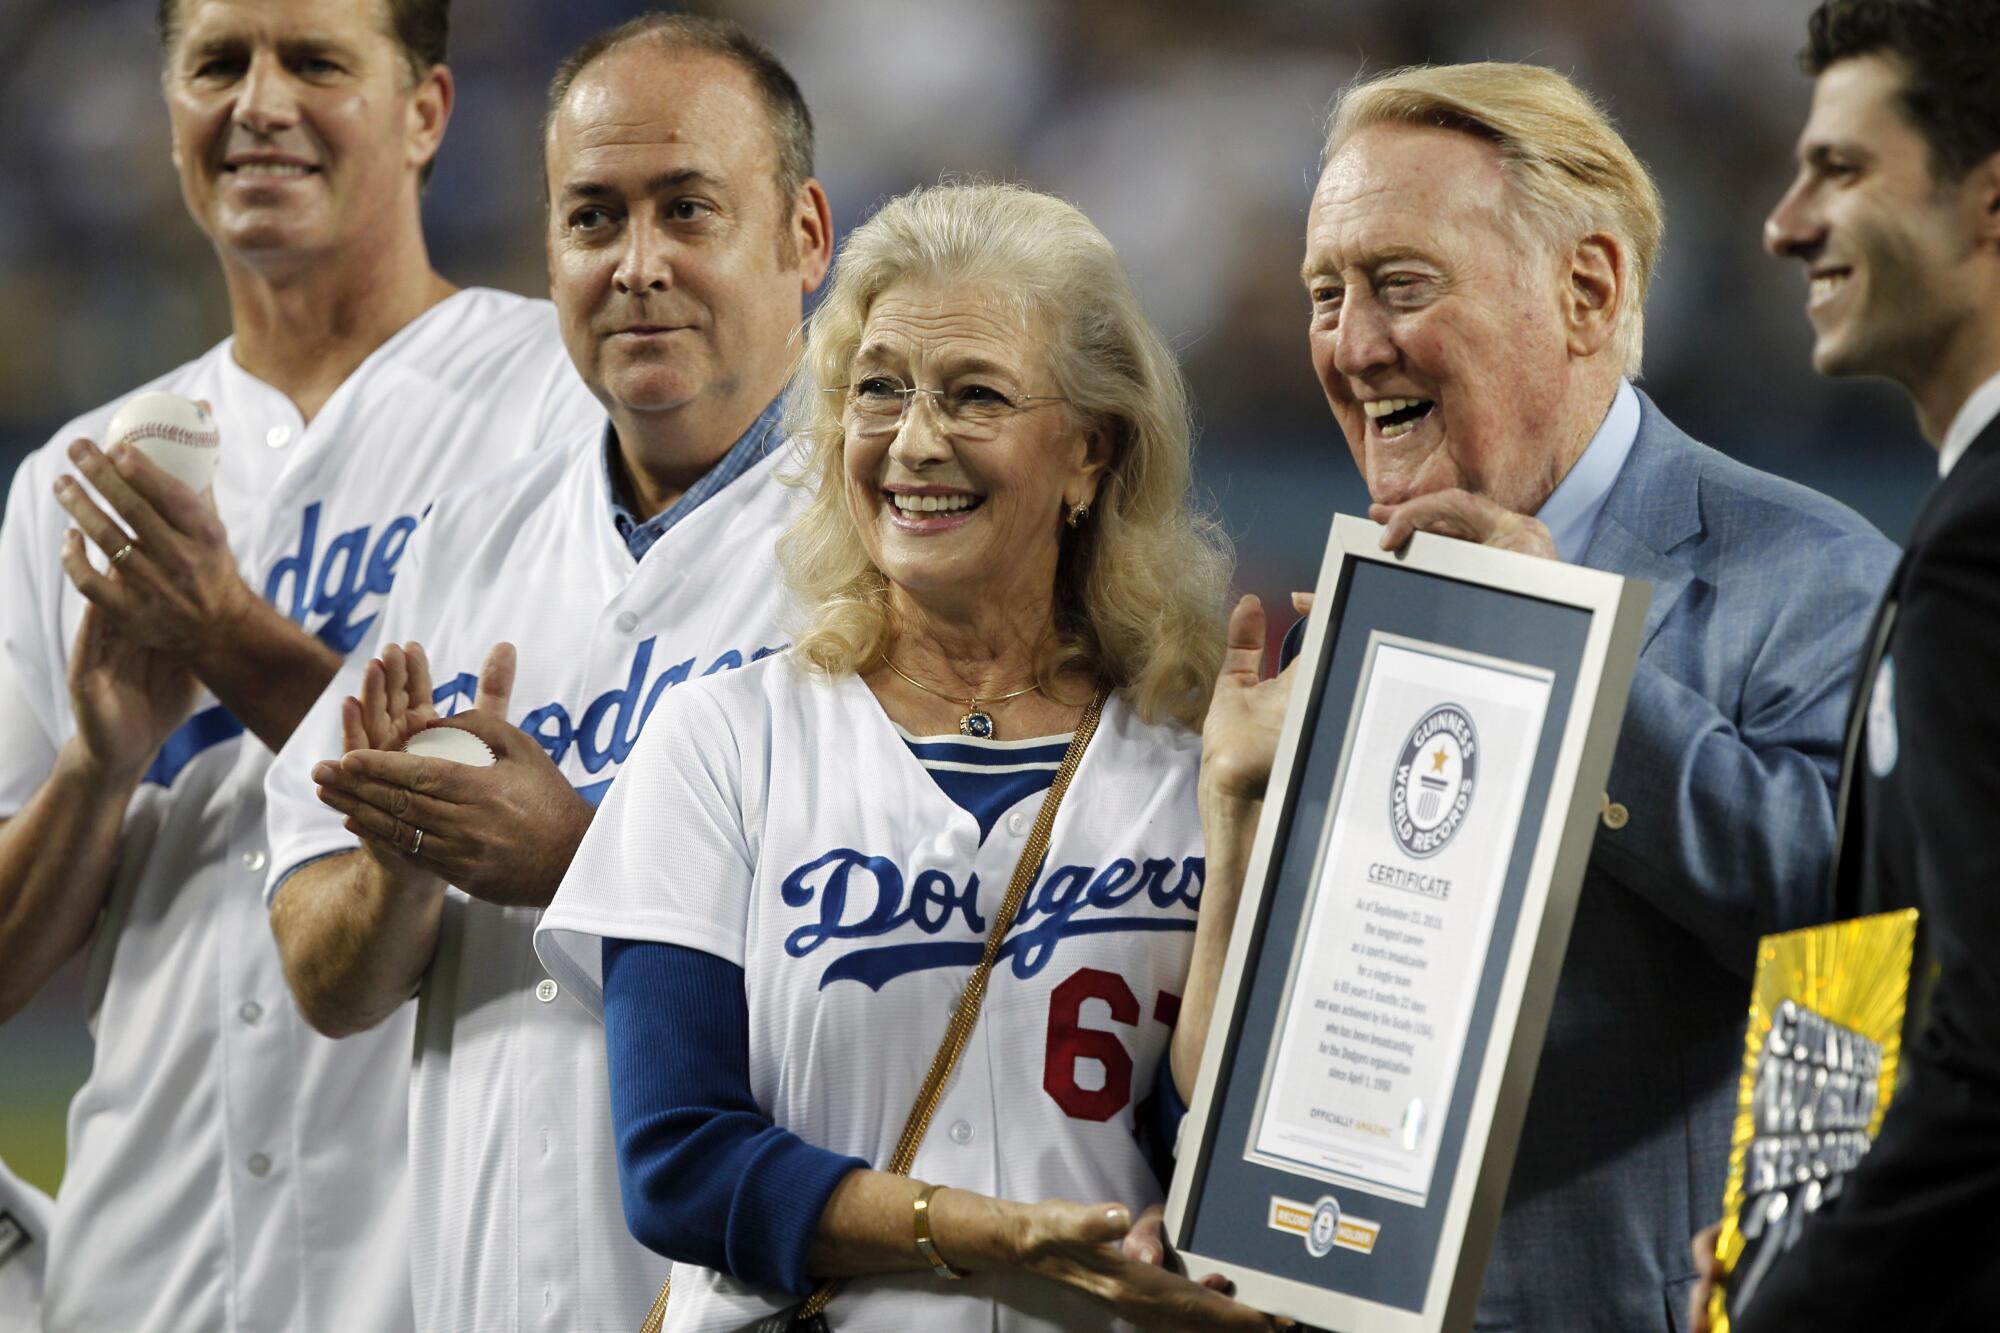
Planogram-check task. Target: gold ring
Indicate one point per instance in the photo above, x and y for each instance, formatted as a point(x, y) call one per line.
point(122, 552)
point(418, 845)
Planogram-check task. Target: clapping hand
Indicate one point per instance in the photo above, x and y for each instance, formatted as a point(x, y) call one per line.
point(396, 702)
point(503, 833)
point(1239, 741)
point(172, 582)
point(127, 698)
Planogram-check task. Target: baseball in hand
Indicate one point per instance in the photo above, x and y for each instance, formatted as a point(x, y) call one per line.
point(176, 434)
point(452, 743)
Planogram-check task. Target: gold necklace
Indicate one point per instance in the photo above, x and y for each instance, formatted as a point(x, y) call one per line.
point(977, 722)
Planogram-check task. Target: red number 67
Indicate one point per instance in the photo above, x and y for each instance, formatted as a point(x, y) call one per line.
point(1070, 1042)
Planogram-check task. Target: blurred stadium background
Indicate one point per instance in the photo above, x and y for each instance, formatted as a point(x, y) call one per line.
point(1188, 131)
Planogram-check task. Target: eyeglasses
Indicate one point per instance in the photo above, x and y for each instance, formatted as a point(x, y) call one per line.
point(878, 405)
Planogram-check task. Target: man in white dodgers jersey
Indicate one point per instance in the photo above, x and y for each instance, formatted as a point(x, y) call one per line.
point(229, 1169)
point(684, 232)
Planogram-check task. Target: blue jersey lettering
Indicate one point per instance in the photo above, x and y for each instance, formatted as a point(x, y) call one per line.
point(857, 896)
point(308, 584)
point(608, 726)
point(303, 585)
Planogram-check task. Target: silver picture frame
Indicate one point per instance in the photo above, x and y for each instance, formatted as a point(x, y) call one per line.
point(1406, 1233)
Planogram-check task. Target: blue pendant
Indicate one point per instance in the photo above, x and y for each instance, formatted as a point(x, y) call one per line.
point(976, 724)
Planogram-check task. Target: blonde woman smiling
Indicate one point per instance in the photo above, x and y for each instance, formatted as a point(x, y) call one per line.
point(1009, 600)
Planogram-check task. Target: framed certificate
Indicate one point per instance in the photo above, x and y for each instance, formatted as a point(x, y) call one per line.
point(1408, 899)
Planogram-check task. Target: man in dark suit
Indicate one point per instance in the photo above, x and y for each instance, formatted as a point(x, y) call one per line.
point(1476, 256)
point(1895, 214)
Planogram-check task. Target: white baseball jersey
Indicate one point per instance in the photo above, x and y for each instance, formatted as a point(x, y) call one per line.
point(24, 1252)
point(228, 1168)
point(518, 1224)
point(777, 819)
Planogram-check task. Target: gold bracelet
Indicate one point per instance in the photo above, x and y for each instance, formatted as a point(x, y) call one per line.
point(925, 1245)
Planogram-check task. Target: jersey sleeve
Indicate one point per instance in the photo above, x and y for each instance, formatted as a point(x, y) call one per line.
point(667, 858)
point(568, 411)
point(298, 826)
point(31, 681)
point(25, 741)
point(539, 400)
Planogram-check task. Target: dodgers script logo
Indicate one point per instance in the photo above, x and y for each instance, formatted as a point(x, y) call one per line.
point(1433, 785)
point(857, 896)
point(357, 564)
point(604, 730)
point(333, 585)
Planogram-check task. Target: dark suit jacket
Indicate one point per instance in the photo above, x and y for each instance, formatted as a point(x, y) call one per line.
point(1726, 765)
point(1911, 1244)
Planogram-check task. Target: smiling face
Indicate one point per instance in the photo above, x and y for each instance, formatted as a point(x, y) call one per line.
point(296, 128)
point(1885, 246)
point(673, 262)
point(1437, 327)
point(949, 519)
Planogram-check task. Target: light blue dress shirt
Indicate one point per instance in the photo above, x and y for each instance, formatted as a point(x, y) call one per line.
point(1570, 512)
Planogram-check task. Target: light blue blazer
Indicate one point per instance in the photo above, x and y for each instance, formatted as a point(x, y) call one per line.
point(1762, 593)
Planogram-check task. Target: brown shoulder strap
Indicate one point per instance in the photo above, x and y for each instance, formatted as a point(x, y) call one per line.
point(959, 1031)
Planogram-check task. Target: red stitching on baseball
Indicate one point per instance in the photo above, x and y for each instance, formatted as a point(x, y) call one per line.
point(170, 433)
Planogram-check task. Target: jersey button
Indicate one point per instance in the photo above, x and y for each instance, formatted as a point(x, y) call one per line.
point(278, 436)
point(546, 991)
point(251, 1012)
point(259, 1164)
point(626, 622)
point(1017, 823)
point(253, 861)
point(961, 1132)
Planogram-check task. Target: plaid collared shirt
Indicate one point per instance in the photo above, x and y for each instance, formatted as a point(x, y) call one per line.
point(750, 448)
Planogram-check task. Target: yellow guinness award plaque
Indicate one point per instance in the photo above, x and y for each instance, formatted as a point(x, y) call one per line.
point(1819, 1066)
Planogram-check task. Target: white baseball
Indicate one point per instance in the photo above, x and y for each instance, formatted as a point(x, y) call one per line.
point(451, 743)
point(177, 434)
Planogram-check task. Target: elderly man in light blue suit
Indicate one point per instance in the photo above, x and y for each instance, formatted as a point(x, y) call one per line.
point(1477, 255)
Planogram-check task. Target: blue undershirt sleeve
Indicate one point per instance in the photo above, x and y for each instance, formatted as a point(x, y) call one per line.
point(1158, 1122)
point(705, 1177)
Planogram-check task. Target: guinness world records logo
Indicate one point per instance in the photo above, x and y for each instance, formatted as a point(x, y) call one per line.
point(1325, 1227)
point(1434, 780)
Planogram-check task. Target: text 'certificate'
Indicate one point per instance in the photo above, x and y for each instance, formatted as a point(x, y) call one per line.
point(1432, 778)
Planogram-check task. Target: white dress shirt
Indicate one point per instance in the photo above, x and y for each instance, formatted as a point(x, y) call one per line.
point(1971, 421)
